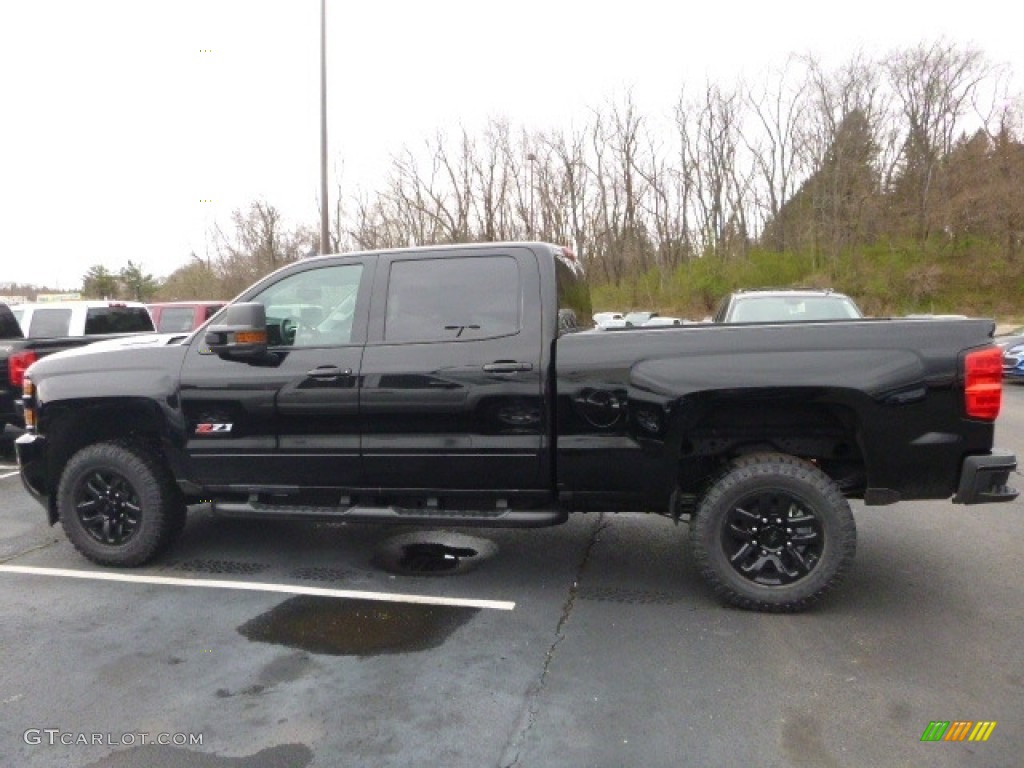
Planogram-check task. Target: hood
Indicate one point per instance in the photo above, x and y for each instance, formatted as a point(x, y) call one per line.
point(151, 352)
point(141, 340)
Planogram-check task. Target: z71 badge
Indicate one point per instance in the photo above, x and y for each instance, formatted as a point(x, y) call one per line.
point(207, 429)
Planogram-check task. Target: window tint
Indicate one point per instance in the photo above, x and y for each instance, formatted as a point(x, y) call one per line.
point(49, 323)
point(574, 309)
point(452, 299)
point(312, 308)
point(100, 320)
point(9, 328)
point(210, 311)
point(175, 319)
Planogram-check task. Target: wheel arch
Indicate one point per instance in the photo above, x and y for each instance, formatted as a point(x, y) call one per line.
point(73, 424)
point(712, 429)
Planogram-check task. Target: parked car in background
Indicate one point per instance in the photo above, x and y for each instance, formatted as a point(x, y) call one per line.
point(1009, 339)
point(772, 305)
point(638, 317)
point(55, 319)
point(29, 332)
point(1013, 360)
point(609, 320)
point(664, 320)
point(182, 316)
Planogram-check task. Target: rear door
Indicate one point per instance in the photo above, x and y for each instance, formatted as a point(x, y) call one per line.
point(452, 373)
point(291, 419)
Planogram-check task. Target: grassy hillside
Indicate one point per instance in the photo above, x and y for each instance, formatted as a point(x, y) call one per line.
point(973, 278)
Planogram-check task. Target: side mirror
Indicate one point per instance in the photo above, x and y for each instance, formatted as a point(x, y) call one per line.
point(240, 333)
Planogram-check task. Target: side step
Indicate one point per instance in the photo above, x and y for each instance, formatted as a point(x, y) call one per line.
point(493, 518)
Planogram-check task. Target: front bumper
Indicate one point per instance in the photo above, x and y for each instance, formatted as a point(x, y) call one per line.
point(31, 450)
point(983, 479)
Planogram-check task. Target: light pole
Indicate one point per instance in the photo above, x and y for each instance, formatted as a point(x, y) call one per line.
point(325, 243)
point(532, 160)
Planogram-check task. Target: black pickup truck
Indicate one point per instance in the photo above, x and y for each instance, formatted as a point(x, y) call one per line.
point(456, 385)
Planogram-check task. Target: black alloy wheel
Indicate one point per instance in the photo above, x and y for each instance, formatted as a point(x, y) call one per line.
point(773, 533)
point(107, 507)
point(773, 538)
point(119, 504)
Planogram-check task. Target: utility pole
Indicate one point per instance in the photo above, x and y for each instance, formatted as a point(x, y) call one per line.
point(532, 160)
point(325, 243)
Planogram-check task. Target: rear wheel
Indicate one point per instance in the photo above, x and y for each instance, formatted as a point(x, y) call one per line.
point(118, 505)
point(773, 533)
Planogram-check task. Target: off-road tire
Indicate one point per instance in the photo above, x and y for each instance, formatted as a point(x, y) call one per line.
point(800, 551)
point(118, 504)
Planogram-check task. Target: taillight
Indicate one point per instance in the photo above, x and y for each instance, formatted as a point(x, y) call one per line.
point(983, 383)
point(28, 399)
point(17, 364)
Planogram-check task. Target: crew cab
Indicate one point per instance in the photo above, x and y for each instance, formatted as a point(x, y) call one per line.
point(459, 385)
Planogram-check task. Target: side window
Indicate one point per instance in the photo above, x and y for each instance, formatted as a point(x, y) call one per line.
point(176, 319)
point(312, 308)
point(574, 309)
point(100, 320)
point(210, 311)
point(458, 299)
point(49, 323)
point(9, 328)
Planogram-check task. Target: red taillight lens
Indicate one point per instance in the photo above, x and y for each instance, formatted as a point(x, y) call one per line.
point(983, 383)
point(17, 364)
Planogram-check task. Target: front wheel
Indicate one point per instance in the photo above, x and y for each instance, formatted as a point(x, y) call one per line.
point(773, 533)
point(118, 505)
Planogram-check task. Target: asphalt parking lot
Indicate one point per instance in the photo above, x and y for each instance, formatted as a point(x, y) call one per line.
point(594, 643)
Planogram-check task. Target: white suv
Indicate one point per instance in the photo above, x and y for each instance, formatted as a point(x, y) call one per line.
point(52, 319)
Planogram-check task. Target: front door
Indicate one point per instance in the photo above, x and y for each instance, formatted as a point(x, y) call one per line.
point(289, 420)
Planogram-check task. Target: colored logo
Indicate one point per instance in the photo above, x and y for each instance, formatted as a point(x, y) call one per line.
point(206, 429)
point(958, 730)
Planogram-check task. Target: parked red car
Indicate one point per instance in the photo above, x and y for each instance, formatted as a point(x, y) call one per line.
point(182, 316)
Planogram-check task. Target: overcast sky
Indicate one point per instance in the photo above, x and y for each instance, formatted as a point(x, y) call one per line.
point(118, 120)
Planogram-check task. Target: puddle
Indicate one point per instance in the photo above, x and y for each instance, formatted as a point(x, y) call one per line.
point(427, 557)
point(432, 553)
point(336, 627)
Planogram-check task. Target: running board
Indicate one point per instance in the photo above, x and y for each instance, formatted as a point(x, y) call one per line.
point(493, 518)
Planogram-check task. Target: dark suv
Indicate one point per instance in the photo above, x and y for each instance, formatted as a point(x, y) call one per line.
point(771, 305)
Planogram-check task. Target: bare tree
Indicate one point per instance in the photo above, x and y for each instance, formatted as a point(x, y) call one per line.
point(779, 107)
point(935, 85)
point(259, 243)
point(710, 130)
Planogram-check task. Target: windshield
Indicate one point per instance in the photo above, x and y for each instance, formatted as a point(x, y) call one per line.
point(782, 309)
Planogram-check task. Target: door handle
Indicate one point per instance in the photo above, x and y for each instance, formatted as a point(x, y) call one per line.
point(328, 373)
point(507, 366)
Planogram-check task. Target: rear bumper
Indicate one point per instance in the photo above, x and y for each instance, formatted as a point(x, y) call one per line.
point(31, 450)
point(983, 479)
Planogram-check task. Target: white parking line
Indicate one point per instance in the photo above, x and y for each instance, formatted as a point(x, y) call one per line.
point(9, 474)
point(497, 605)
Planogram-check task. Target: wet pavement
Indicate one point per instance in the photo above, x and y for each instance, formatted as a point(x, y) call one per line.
point(604, 647)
